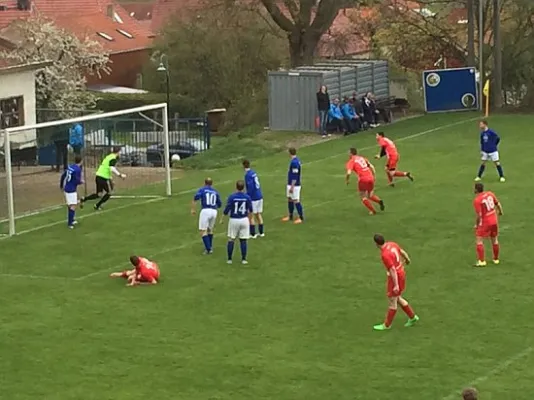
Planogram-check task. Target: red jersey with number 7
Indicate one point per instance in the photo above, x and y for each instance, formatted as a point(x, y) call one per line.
point(361, 166)
point(485, 205)
point(392, 257)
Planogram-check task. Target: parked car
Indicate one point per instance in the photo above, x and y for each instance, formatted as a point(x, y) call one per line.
point(184, 149)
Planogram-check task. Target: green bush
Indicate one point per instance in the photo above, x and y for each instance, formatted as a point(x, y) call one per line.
point(182, 105)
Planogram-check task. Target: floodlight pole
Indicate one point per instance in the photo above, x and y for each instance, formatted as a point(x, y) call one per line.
point(480, 52)
point(164, 67)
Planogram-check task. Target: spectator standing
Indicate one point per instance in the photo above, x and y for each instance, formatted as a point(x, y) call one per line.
point(335, 117)
point(370, 111)
point(323, 105)
point(76, 138)
point(352, 121)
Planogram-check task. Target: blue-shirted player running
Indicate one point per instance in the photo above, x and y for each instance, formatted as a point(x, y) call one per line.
point(71, 178)
point(489, 147)
point(210, 201)
point(239, 207)
point(293, 188)
point(253, 189)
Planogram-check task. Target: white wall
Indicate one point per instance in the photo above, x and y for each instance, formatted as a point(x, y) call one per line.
point(21, 84)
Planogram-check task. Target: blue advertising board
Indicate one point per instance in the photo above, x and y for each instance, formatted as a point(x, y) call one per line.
point(452, 89)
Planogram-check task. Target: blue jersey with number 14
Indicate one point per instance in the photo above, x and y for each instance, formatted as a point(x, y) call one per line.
point(238, 205)
point(71, 178)
point(252, 183)
point(209, 198)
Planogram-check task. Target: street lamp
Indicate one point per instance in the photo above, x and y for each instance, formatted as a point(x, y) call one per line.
point(164, 67)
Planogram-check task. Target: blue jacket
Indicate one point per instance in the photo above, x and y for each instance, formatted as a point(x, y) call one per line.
point(348, 111)
point(489, 141)
point(76, 135)
point(334, 113)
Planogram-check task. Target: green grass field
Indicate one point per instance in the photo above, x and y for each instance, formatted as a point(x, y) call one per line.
point(296, 324)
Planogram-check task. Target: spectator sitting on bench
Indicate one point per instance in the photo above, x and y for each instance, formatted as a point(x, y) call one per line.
point(335, 118)
point(358, 107)
point(370, 111)
point(352, 121)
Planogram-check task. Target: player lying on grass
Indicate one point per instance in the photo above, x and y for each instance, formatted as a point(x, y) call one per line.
point(145, 272)
point(487, 206)
point(388, 149)
point(394, 258)
point(366, 180)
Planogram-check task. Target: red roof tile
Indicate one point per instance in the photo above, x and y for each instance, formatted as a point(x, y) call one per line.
point(85, 18)
point(139, 11)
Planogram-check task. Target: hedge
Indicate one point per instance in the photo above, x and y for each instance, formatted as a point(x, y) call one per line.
point(182, 105)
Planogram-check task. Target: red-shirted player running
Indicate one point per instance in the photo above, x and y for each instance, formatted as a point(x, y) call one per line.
point(366, 179)
point(145, 272)
point(388, 149)
point(394, 257)
point(486, 207)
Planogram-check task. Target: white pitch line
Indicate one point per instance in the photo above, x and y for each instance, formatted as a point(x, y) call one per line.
point(415, 135)
point(35, 277)
point(495, 371)
point(180, 247)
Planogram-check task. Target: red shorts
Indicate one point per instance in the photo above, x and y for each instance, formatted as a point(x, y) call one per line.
point(366, 186)
point(402, 286)
point(392, 162)
point(487, 231)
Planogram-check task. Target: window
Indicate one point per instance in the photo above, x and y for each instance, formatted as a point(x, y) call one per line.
point(124, 33)
point(11, 112)
point(105, 36)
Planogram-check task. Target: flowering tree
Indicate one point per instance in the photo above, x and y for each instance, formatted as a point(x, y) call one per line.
point(61, 85)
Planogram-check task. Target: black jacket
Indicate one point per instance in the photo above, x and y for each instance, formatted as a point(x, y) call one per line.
point(323, 101)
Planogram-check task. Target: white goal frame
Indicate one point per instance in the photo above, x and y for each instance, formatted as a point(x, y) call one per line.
point(7, 148)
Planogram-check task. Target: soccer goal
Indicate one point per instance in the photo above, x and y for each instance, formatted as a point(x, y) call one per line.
point(34, 157)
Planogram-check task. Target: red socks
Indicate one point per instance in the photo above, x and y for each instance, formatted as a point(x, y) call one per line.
point(367, 203)
point(480, 252)
point(496, 251)
point(375, 198)
point(124, 274)
point(408, 311)
point(390, 316)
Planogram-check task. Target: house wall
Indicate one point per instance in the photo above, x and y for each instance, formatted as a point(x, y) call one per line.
point(21, 84)
point(125, 68)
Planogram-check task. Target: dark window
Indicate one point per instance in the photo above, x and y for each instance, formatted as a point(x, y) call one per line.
point(11, 112)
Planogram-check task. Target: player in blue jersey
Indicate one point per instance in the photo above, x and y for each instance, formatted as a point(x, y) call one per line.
point(489, 147)
point(71, 178)
point(239, 208)
point(293, 188)
point(210, 201)
point(253, 189)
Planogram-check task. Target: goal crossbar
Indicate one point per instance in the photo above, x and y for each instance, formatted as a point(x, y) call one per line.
point(7, 147)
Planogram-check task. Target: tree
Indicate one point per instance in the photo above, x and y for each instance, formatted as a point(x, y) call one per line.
point(305, 22)
point(61, 85)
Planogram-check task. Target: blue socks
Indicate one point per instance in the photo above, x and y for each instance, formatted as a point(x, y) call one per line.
point(500, 171)
point(260, 228)
point(481, 170)
point(300, 210)
point(243, 244)
point(230, 249)
point(206, 241)
point(70, 219)
point(252, 230)
point(291, 209)
point(210, 236)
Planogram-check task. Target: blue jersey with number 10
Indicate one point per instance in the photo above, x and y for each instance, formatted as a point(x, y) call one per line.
point(238, 205)
point(209, 197)
point(252, 183)
point(71, 178)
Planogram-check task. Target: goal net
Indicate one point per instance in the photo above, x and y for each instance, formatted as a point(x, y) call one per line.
point(33, 157)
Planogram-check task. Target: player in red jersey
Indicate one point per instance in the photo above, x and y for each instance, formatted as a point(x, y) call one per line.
point(394, 258)
point(144, 272)
point(366, 180)
point(486, 207)
point(388, 149)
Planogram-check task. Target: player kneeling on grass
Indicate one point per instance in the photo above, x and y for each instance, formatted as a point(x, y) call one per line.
point(70, 180)
point(486, 207)
point(145, 272)
point(394, 258)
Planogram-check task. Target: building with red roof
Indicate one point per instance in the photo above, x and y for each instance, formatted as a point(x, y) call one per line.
point(126, 40)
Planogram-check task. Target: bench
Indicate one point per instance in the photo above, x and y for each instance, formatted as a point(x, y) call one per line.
point(391, 104)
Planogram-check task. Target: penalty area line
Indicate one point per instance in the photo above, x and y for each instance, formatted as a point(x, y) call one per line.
point(501, 367)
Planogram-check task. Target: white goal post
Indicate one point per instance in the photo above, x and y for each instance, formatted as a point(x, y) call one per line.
point(8, 132)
